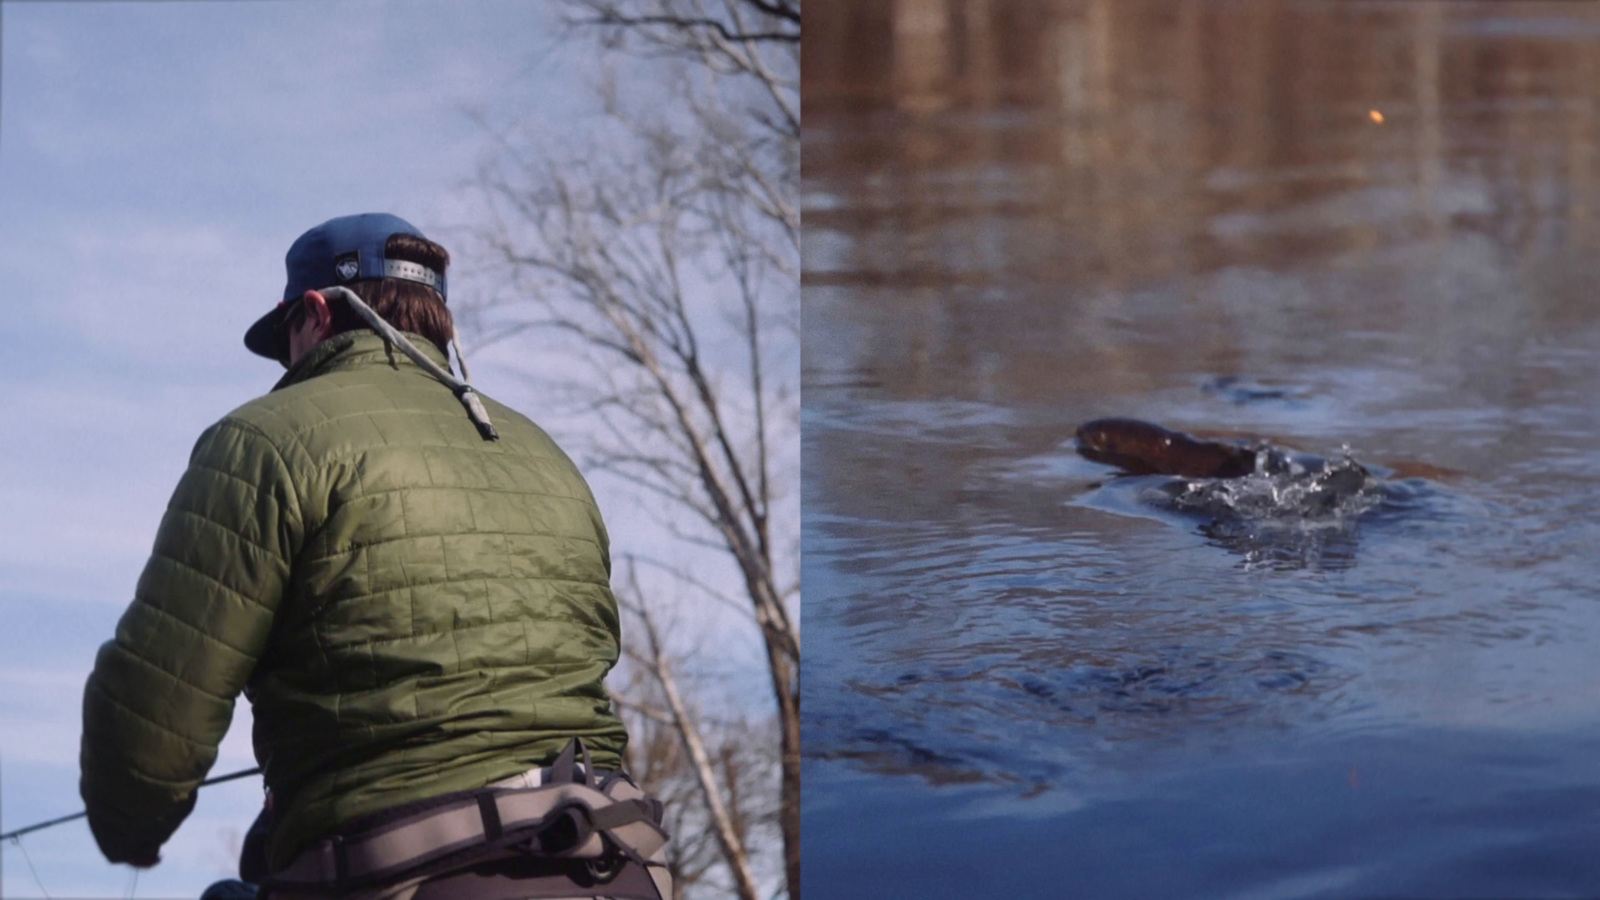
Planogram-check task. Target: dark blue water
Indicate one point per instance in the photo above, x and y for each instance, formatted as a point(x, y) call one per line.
point(1027, 675)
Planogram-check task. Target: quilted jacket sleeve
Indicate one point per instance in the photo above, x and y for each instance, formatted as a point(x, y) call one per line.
point(162, 691)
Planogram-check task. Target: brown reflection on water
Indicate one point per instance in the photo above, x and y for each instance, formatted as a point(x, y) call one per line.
point(1001, 178)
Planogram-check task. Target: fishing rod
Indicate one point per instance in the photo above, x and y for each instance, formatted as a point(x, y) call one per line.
point(40, 826)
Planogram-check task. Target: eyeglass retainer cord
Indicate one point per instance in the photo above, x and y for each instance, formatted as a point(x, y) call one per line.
point(461, 388)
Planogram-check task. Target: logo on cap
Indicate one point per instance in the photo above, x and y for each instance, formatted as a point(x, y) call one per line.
point(347, 267)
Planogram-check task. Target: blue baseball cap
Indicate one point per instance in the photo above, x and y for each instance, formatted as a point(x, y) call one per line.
point(337, 252)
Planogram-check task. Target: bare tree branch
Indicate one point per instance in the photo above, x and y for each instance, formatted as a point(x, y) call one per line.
point(728, 834)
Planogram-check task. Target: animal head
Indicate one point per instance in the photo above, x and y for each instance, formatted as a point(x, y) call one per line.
point(1143, 448)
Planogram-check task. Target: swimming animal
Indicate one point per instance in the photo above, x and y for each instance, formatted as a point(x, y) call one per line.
point(1210, 474)
point(1144, 448)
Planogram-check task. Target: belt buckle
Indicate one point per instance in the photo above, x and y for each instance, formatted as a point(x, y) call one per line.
point(605, 869)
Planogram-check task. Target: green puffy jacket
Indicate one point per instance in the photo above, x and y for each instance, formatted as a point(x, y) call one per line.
point(410, 609)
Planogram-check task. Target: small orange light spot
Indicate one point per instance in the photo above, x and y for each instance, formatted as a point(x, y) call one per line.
point(1377, 117)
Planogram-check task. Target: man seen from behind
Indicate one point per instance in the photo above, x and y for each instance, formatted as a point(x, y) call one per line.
point(416, 604)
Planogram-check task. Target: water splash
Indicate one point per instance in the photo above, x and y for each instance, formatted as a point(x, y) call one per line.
point(1283, 488)
point(1292, 513)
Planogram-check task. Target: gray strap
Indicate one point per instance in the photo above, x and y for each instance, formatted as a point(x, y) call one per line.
point(410, 271)
point(462, 390)
point(461, 358)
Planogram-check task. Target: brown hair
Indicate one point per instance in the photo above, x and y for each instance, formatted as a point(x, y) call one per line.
point(407, 305)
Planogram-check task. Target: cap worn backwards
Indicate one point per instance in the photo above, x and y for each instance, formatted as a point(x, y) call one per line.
point(337, 252)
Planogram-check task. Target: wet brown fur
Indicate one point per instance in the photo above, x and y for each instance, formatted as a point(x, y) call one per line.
point(1143, 448)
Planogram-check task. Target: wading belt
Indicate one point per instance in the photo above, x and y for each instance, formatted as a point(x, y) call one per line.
point(596, 823)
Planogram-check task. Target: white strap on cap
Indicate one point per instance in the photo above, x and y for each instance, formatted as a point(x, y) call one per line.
point(410, 271)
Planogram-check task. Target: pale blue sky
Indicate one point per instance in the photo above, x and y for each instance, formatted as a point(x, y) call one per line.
point(156, 160)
